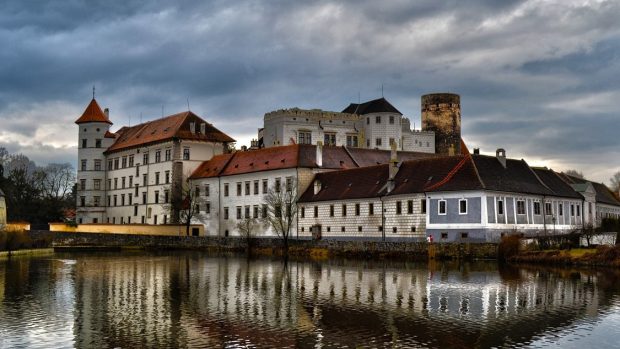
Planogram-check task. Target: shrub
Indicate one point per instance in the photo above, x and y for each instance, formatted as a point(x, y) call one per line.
point(508, 247)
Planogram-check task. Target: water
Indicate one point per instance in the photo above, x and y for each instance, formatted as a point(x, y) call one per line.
point(170, 300)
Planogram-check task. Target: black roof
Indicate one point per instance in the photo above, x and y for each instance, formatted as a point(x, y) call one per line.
point(517, 177)
point(380, 105)
point(603, 193)
point(554, 182)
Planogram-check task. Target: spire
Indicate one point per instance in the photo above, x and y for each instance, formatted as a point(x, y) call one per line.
point(93, 113)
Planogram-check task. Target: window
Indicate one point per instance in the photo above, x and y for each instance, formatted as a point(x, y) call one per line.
point(247, 188)
point(156, 196)
point(97, 184)
point(464, 235)
point(122, 199)
point(560, 209)
point(329, 138)
point(520, 207)
point(238, 188)
point(166, 196)
point(371, 209)
point(83, 184)
point(255, 209)
point(368, 143)
point(394, 230)
point(135, 210)
point(256, 187)
point(115, 183)
point(225, 212)
point(413, 229)
point(357, 209)
point(82, 200)
point(264, 215)
point(247, 212)
point(342, 229)
point(137, 170)
point(410, 206)
point(463, 206)
point(572, 210)
point(265, 186)
point(158, 156)
point(302, 213)
point(123, 182)
point(344, 210)
point(143, 197)
point(377, 119)
point(225, 189)
point(444, 236)
point(208, 207)
point(351, 141)
point(185, 153)
point(130, 199)
point(83, 165)
point(238, 212)
point(207, 190)
point(537, 207)
point(399, 207)
point(97, 165)
point(392, 141)
point(359, 228)
point(110, 165)
point(423, 206)
point(391, 119)
point(378, 142)
point(278, 182)
point(115, 200)
point(277, 210)
point(289, 184)
point(130, 160)
point(145, 179)
point(500, 207)
point(578, 210)
point(168, 154)
point(441, 208)
point(124, 162)
point(316, 211)
point(136, 191)
point(84, 143)
point(305, 137)
point(331, 210)
point(368, 120)
point(145, 158)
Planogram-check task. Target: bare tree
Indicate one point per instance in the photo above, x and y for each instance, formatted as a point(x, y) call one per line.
point(58, 180)
point(182, 205)
point(615, 182)
point(588, 231)
point(246, 229)
point(281, 202)
point(574, 173)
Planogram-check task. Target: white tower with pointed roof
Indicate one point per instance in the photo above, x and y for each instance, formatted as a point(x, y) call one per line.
point(94, 138)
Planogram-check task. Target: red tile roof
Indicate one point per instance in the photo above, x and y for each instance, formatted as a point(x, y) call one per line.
point(93, 113)
point(213, 167)
point(167, 128)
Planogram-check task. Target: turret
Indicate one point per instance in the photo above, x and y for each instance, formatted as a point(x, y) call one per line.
point(441, 113)
point(94, 138)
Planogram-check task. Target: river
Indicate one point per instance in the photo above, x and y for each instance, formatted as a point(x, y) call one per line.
point(196, 300)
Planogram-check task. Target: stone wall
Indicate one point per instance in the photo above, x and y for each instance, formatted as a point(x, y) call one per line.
point(353, 248)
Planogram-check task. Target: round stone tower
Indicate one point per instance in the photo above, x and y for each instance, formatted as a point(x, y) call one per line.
point(441, 113)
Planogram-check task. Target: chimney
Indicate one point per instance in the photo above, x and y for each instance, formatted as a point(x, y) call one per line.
point(192, 127)
point(319, 154)
point(501, 156)
point(203, 128)
point(106, 111)
point(476, 151)
point(393, 167)
point(317, 186)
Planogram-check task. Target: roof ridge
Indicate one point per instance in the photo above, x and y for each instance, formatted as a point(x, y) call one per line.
point(484, 186)
point(351, 156)
point(538, 178)
point(449, 176)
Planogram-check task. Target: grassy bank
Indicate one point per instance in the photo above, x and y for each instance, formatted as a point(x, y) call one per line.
point(600, 256)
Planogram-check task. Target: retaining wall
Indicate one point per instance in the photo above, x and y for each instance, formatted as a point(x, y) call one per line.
point(333, 247)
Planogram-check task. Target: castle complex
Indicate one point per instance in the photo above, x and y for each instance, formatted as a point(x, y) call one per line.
point(362, 173)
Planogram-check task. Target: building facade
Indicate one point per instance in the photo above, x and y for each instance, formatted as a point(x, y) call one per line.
point(131, 176)
point(375, 124)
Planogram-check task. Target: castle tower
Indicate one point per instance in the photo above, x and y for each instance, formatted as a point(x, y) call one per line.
point(441, 113)
point(94, 138)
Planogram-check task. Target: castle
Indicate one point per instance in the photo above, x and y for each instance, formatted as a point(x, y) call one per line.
point(361, 174)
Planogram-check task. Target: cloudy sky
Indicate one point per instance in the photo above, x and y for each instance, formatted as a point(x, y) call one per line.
point(539, 78)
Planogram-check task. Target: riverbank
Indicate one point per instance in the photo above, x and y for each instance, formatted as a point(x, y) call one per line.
point(601, 256)
point(29, 252)
point(315, 249)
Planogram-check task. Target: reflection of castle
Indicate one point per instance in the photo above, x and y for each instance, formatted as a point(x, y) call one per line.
point(173, 301)
point(2, 210)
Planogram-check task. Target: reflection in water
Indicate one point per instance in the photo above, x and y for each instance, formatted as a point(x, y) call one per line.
point(192, 300)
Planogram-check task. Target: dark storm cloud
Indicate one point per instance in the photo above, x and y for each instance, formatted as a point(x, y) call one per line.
point(538, 78)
